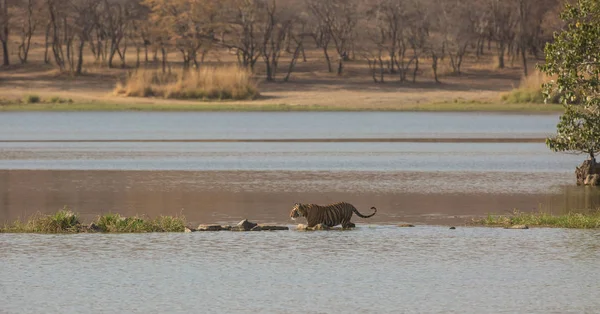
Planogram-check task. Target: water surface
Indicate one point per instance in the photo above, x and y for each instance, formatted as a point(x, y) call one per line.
point(261, 125)
point(381, 269)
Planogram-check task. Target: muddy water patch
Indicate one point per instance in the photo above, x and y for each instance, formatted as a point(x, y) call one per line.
point(229, 196)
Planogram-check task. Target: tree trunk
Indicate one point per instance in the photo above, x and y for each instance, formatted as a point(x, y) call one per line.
point(434, 62)
point(137, 60)
point(416, 70)
point(4, 30)
point(340, 67)
point(588, 173)
point(80, 57)
point(295, 56)
point(327, 59)
point(501, 50)
point(6, 60)
point(524, 56)
point(164, 60)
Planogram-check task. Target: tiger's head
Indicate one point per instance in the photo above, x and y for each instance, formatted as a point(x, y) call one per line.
point(299, 210)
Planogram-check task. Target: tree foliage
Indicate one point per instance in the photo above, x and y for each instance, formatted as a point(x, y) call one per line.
point(574, 59)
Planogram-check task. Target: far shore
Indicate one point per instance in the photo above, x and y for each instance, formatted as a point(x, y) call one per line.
point(258, 106)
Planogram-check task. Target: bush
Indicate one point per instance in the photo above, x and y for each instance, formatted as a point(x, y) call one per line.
point(230, 82)
point(32, 99)
point(63, 221)
point(530, 90)
point(117, 223)
point(59, 100)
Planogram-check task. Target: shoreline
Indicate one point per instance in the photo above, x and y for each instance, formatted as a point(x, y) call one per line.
point(101, 106)
point(67, 222)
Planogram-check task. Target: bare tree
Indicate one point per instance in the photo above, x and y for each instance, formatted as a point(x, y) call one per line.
point(245, 31)
point(276, 27)
point(27, 17)
point(4, 26)
point(457, 22)
point(504, 17)
point(338, 19)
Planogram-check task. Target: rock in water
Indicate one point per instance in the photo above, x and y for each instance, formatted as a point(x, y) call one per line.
point(188, 230)
point(406, 225)
point(273, 228)
point(244, 225)
point(209, 228)
point(256, 228)
point(452, 228)
point(517, 227)
point(94, 228)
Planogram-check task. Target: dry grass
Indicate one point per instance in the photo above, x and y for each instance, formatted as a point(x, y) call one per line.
point(229, 82)
point(66, 221)
point(530, 90)
point(487, 64)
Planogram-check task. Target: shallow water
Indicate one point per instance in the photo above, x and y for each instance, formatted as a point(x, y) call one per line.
point(377, 269)
point(216, 181)
point(470, 157)
point(261, 125)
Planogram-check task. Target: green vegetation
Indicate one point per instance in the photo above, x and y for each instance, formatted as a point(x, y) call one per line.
point(520, 95)
point(542, 219)
point(66, 221)
point(231, 82)
point(118, 224)
point(573, 58)
point(63, 221)
point(32, 99)
point(59, 100)
point(458, 105)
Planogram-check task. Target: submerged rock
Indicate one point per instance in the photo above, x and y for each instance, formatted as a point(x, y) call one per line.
point(452, 228)
point(209, 228)
point(517, 227)
point(406, 225)
point(273, 228)
point(93, 228)
point(244, 225)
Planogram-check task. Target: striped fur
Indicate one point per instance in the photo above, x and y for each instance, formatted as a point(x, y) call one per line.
point(330, 215)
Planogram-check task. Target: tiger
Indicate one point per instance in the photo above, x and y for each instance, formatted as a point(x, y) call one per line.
point(330, 215)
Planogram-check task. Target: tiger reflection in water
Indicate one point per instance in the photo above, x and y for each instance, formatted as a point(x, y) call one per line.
point(330, 215)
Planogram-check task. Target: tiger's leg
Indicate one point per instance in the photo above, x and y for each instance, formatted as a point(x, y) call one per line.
point(346, 224)
point(349, 225)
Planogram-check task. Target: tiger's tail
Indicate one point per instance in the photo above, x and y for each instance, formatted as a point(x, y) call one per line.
point(363, 216)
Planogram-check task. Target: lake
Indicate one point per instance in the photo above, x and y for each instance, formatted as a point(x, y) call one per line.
point(202, 165)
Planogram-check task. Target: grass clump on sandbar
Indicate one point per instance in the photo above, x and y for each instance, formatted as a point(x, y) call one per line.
point(542, 219)
point(118, 224)
point(206, 83)
point(63, 221)
point(66, 221)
